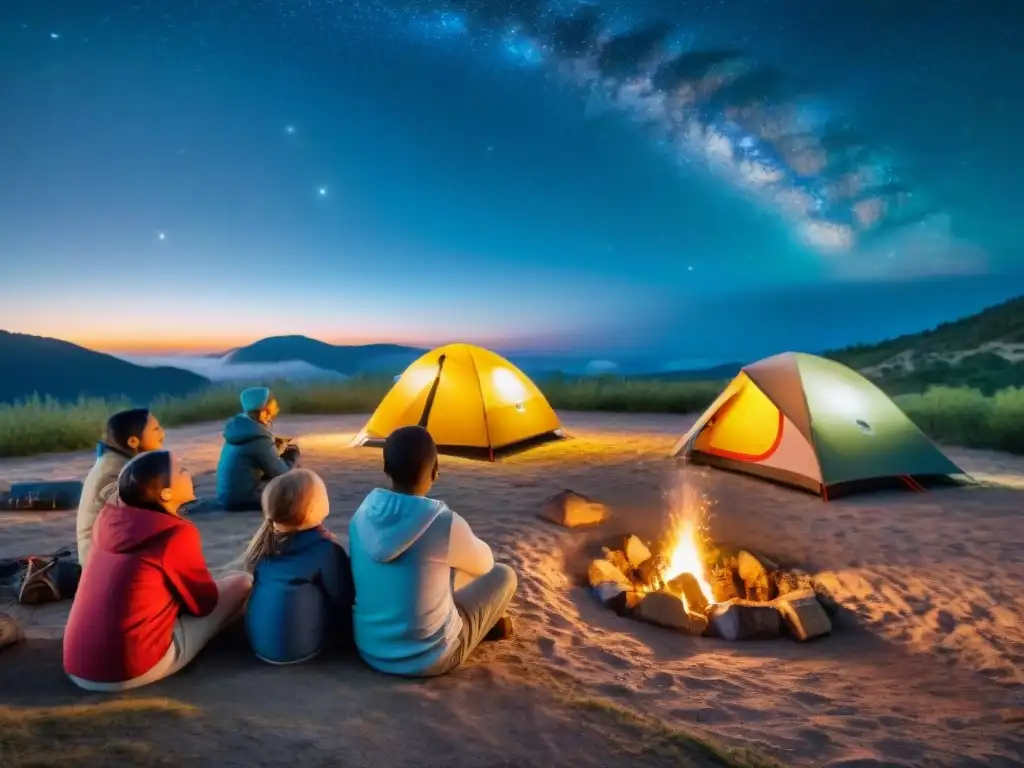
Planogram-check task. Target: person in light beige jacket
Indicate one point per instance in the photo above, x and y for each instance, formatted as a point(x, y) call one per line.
point(127, 434)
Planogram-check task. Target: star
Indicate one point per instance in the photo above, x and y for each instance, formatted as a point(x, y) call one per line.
point(322, 191)
point(161, 235)
point(289, 129)
point(490, 149)
point(54, 36)
point(689, 269)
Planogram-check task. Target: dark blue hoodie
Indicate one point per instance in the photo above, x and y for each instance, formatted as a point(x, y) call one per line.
point(301, 599)
point(248, 459)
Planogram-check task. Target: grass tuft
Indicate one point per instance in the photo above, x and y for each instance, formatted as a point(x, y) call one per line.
point(111, 732)
point(670, 742)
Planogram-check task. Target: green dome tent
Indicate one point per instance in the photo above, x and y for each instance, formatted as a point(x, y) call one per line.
point(815, 424)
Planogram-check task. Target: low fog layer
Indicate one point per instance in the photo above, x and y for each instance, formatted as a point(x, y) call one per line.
point(216, 369)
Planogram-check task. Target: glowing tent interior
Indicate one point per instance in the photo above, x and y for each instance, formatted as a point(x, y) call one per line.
point(815, 424)
point(469, 398)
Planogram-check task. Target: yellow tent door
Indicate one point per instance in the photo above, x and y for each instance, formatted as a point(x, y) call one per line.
point(480, 401)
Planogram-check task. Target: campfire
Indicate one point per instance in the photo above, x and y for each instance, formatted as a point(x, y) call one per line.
point(686, 583)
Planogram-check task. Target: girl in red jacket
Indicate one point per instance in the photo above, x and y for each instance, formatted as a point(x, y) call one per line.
point(146, 604)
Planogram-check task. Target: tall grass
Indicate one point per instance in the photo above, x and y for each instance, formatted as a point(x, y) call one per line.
point(956, 416)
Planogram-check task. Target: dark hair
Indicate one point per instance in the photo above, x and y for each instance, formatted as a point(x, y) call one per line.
point(124, 425)
point(143, 478)
point(409, 452)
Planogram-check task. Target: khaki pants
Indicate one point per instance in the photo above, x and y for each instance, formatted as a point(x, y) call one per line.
point(191, 635)
point(480, 602)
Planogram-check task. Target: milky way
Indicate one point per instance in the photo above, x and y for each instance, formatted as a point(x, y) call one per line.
point(746, 121)
point(749, 123)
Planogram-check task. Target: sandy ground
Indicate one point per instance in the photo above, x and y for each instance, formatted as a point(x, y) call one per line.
point(927, 672)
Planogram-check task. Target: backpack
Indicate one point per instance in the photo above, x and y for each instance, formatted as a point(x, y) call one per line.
point(38, 579)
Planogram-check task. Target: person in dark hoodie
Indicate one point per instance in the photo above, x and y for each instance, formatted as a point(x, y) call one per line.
point(409, 555)
point(251, 454)
point(146, 604)
point(301, 602)
point(127, 434)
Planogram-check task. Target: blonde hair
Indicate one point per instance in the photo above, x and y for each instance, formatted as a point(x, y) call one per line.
point(292, 502)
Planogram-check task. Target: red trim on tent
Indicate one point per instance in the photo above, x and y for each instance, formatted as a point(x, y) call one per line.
point(736, 456)
point(912, 484)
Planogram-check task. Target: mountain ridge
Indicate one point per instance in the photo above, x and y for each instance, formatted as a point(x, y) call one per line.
point(65, 371)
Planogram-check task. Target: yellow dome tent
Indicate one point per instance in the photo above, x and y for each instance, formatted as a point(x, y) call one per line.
point(469, 398)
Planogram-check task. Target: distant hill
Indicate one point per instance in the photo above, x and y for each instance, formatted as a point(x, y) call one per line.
point(349, 360)
point(984, 351)
point(66, 371)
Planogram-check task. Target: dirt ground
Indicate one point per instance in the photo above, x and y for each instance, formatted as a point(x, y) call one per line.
point(927, 670)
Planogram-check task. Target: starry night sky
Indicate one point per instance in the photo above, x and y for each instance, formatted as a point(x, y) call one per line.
point(182, 175)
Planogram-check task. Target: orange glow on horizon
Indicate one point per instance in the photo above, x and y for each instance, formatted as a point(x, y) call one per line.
point(206, 345)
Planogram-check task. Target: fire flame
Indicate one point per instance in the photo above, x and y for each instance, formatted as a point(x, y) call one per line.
point(686, 557)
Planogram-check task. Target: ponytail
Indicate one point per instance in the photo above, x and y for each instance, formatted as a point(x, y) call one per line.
point(263, 544)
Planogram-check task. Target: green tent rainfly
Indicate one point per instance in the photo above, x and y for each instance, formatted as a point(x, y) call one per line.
point(815, 424)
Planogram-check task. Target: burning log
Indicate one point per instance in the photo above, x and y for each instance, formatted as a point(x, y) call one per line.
point(803, 615)
point(650, 576)
point(667, 610)
point(618, 558)
point(744, 620)
point(723, 584)
point(686, 587)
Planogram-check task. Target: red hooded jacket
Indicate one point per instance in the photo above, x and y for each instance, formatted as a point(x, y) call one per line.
point(145, 569)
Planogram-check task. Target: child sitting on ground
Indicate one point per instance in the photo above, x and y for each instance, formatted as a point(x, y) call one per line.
point(301, 600)
point(406, 550)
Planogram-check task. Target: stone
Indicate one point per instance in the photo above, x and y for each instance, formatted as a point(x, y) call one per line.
point(618, 558)
point(787, 582)
point(756, 576)
point(803, 615)
point(573, 510)
point(604, 572)
point(10, 630)
point(667, 610)
point(620, 599)
point(745, 620)
point(686, 586)
point(636, 551)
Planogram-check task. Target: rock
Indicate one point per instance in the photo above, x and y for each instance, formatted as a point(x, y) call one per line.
point(745, 620)
point(572, 510)
point(618, 558)
point(667, 610)
point(602, 571)
point(723, 584)
point(803, 615)
point(787, 582)
point(756, 576)
point(650, 575)
point(636, 551)
point(618, 598)
point(686, 586)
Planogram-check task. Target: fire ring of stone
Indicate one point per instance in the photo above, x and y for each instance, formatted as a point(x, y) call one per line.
point(736, 595)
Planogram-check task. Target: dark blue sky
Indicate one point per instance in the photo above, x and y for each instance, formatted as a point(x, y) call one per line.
point(181, 175)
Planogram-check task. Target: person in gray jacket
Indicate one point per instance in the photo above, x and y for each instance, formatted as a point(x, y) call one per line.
point(126, 435)
point(251, 454)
